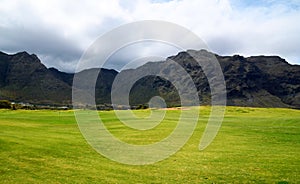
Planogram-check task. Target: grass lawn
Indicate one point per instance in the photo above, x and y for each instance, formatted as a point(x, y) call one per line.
point(254, 145)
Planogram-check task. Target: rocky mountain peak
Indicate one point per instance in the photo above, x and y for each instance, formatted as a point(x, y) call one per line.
point(263, 81)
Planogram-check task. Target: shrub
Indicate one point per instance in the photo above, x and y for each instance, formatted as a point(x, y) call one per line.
point(142, 106)
point(5, 104)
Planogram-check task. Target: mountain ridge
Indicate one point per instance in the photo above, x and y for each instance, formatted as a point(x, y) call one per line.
point(260, 81)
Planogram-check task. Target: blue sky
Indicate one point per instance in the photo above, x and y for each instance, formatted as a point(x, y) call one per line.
point(59, 31)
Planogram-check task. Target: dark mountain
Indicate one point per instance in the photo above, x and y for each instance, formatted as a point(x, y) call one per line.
point(103, 84)
point(24, 78)
point(262, 81)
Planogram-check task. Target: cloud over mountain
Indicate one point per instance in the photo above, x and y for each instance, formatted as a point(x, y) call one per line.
point(60, 31)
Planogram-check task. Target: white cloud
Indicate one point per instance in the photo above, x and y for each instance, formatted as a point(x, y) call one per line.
point(48, 27)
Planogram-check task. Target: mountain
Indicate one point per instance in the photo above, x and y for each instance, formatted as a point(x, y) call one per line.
point(261, 81)
point(23, 78)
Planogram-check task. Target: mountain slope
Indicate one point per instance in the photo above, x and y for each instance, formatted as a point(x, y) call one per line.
point(262, 81)
point(24, 78)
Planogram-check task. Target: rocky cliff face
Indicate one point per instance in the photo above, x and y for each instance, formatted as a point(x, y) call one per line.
point(265, 81)
point(259, 81)
point(262, 81)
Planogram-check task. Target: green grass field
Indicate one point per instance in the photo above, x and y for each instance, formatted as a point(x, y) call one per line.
point(254, 145)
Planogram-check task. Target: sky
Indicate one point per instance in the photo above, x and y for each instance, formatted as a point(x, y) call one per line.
point(59, 31)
